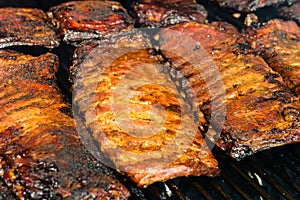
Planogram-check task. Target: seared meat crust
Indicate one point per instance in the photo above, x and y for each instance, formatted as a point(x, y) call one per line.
point(261, 112)
point(81, 20)
point(41, 155)
point(278, 42)
point(153, 13)
point(26, 26)
point(99, 69)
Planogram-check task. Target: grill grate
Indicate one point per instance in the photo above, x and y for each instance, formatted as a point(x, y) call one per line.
point(272, 174)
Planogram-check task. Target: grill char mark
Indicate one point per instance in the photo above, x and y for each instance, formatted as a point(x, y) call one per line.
point(26, 26)
point(256, 96)
point(278, 42)
point(81, 20)
point(164, 13)
point(41, 155)
point(197, 160)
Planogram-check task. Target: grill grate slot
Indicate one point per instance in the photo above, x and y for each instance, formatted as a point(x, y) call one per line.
point(221, 186)
point(273, 174)
point(284, 173)
point(247, 179)
point(208, 191)
point(243, 190)
point(178, 189)
point(273, 180)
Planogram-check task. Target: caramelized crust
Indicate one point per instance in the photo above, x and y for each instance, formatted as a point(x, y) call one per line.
point(278, 42)
point(105, 71)
point(261, 112)
point(26, 26)
point(81, 20)
point(152, 13)
point(41, 155)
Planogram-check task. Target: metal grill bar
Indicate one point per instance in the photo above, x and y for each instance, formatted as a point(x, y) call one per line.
point(273, 174)
point(266, 175)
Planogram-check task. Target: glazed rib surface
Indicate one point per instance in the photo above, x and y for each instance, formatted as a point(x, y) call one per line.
point(26, 26)
point(81, 20)
point(261, 112)
point(105, 71)
point(41, 155)
point(278, 42)
point(164, 13)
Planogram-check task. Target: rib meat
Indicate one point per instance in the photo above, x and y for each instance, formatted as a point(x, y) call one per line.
point(41, 155)
point(81, 20)
point(261, 112)
point(149, 143)
point(278, 42)
point(153, 13)
point(292, 13)
point(26, 26)
point(250, 5)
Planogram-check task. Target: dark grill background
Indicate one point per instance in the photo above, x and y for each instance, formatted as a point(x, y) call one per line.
point(272, 174)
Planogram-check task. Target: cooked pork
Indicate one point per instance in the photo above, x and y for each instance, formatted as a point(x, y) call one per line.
point(26, 26)
point(153, 13)
point(278, 42)
point(81, 20)
point(158, 138)
point(261, 112)
point(41, 155)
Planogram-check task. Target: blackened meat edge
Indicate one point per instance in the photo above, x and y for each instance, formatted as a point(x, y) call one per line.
point(261, 112)
point(278, 42)
point(26, 26)
point(101, 67)
point(41, 155)
point(82, 20)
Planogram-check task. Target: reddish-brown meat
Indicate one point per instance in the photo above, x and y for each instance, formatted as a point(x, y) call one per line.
point(26, 26)
point(153, 13)
point(278, 42)
point(80, 20)
point(250, 5)
point(260, 110)
point(41, 155)
point(292, 13)
point(100, 69)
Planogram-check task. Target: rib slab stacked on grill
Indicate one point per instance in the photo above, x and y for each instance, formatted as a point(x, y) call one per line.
point(278, 42)
point(261, 112)
point(41, 156)
point(26, 26)
point(292, 13)
point(153, 13)
point(135, 112)
point(80, 20)
point(250, 5)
